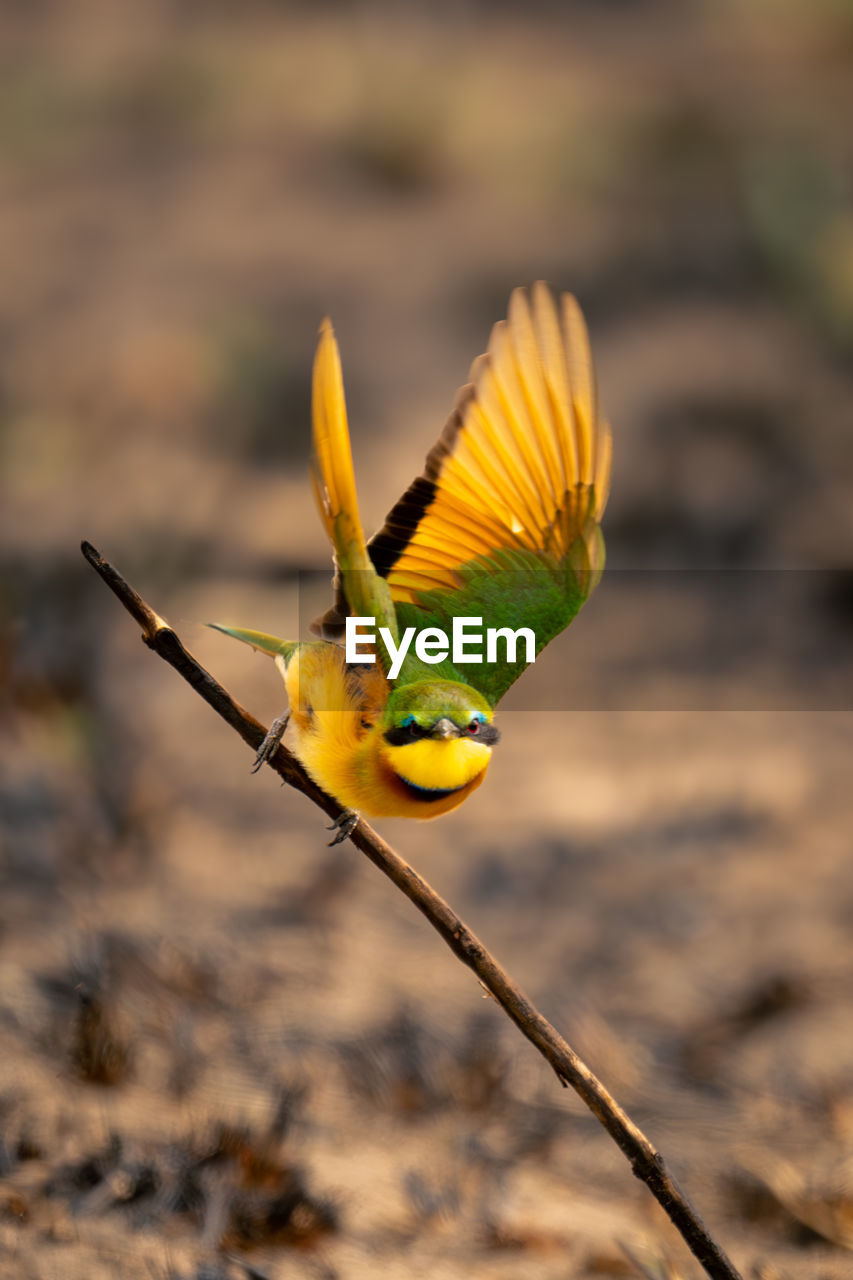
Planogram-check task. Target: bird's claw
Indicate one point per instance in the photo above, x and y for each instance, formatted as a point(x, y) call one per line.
point(271, 742)
point(343, 826)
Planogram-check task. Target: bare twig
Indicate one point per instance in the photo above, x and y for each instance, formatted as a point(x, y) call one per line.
point(646, 1163)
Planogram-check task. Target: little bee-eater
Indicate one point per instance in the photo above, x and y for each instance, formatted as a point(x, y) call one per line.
point(502, 529)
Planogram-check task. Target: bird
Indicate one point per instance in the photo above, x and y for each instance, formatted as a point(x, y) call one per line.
point(502, 528)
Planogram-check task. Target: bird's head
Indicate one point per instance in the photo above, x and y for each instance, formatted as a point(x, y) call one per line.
point(437, 735)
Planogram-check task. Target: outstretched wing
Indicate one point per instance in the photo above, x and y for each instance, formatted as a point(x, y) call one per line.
point(361, 587)
point(504, 522)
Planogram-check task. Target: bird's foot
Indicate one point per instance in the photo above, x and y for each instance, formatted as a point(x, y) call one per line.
point(343, 826)
point(271, 742)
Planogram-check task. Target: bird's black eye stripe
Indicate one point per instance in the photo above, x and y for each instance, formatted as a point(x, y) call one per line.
point(401, 735)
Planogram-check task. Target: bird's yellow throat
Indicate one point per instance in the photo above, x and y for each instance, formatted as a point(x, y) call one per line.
point(438, 765)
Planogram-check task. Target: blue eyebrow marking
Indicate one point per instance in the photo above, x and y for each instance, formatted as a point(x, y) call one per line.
point(406, 721)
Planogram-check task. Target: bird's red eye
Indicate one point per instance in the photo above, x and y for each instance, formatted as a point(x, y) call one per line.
point(474, 726)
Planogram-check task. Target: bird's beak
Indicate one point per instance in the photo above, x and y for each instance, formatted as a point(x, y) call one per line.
point(444, 728)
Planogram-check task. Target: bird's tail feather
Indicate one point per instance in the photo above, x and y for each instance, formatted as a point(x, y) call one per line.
point(259, 640)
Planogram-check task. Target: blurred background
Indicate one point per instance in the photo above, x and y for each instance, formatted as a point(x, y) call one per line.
point(226, 1050)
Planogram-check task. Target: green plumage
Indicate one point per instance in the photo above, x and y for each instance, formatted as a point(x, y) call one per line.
point(427, 700)
point(259, 640)
point(512, 589)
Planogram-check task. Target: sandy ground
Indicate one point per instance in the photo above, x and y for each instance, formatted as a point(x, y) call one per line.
point(227, 1050)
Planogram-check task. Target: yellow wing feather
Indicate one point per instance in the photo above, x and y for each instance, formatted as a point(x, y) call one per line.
point(524, 461)
point(584, 390)
point(332, 471)
point(365, 592)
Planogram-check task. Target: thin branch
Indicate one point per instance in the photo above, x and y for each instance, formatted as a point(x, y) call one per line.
point(646, 1163)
